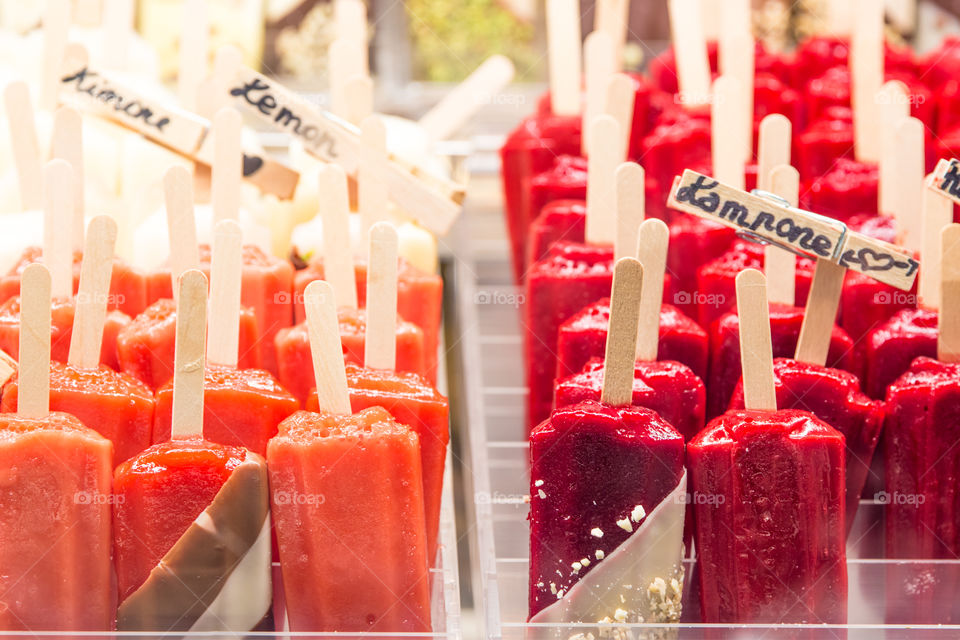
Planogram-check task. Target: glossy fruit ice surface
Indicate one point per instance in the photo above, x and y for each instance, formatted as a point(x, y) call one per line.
point(145, 347)
point(296, 363)
point(669, 388)
point(347, 505)
point(922, 473)
point(117, 406)
point(591, 465)
point(412, 402)
point(584, 336)
point(894, 344)
point(55, 526)
point(769, 501)
point(833, 396)
point(241, 407)
point(158, 494)
point(785, 323)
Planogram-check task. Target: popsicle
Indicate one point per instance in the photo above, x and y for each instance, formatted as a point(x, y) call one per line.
point(191, 517)
point(419, 294)
point(606, 488)
point(920, 435)
point(770, 529)
point(332, 560)
point(55, 500)
point(241, 407)
point(409, 397)
point(554, 130)
point(58, 214)
point(145, 347)
point(116, 405)
point(680, 395)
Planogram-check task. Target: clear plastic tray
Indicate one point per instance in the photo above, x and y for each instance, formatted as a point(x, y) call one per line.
point(489, 316)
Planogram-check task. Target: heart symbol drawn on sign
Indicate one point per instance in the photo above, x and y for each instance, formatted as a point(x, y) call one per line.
point(870, 260)
point(251, 164)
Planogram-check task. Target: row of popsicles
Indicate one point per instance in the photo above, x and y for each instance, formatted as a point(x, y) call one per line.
point(349, 493)
point(774, 481)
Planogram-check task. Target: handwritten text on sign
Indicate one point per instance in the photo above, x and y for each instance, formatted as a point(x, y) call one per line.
point(946, 179)
point(812, 236)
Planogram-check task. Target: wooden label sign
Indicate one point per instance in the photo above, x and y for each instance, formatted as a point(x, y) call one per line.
point(182, 131)
point(431, 200)
point(946, 179)
point(792, 229)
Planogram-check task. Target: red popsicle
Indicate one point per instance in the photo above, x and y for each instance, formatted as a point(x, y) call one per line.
point(606, 485)
point(242, 407)
point(770, 498)
point(327, 467)
point(55, 559)
point(192, 517)
point(114, 404)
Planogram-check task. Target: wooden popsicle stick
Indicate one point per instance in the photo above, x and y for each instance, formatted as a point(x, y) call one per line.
point(190, 355)
point(117, 27)
point(893, 106)
point(618, 367)
point(948, 342)
point(181, 224)
point(690, 47)
point(840, 17)
point(372, 196)
point(467, 98)
point(866, 69)
point(57, 216)
point(620, 101)
point(68, 145)
point(756, 349)
point(601, 181)
point(652, 252)
point(937, 213)
point(337, 254)
point(193, 52)
point(821, 313)
point(908, 176)
point(23, 140)
point(358, 96)
point(726, 138)
point(611, 18)
point(380, 350)
point(320, 304)
point(773, 147)
point(227, 165)
point(226, 264)
point(599, 68)
point(780, 266)
point(86, 338)
point(344, 56)
point(350, 18)
point(564, 55)
point(630, 208)
point(34, 358)
point(56, 24)
point(8, 367)
point(226, 64)
point(737, 61)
